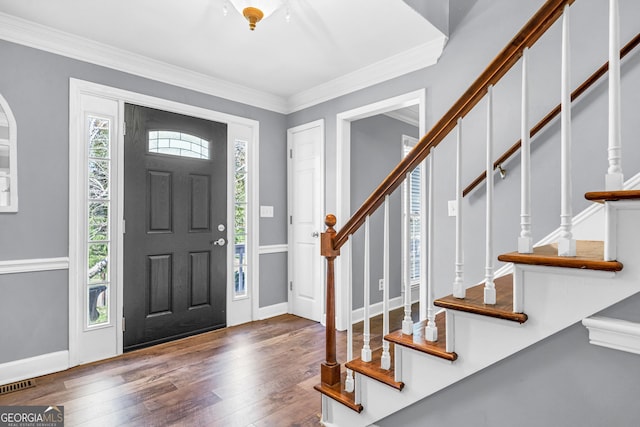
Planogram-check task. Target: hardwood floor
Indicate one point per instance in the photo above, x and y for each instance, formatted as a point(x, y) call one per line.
point(257, 374)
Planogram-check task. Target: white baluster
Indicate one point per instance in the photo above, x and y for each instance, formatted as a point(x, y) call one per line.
point(424, 239)
point(385, 361)
point(349, 384)
point(614, 179)
point(525, 241)
point(366, 335)
point(566, 243)
point(407, 322)
point(430, 331)
point(489, 286)
point(458, 284)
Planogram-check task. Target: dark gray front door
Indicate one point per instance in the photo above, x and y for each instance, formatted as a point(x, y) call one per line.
point(175, 213)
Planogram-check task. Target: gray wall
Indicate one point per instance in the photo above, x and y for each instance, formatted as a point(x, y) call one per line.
point(376, 147)
point(33, 314)
point(36, 86)
point(560, 381)
point(272, 279)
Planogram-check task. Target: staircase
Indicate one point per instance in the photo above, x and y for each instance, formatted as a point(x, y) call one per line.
point(567, 277)
point(557, 292)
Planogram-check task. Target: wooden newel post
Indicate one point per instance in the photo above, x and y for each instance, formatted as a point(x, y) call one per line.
point(330, 368)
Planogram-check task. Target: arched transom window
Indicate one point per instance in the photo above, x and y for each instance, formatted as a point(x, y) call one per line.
point(178, 144)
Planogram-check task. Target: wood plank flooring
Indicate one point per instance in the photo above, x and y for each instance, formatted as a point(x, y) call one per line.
point(255, 375)
point(259, 374)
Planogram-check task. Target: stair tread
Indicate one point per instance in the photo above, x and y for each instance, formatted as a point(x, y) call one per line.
point(589, 255)
point(339, 394)
point(473, 302)
point(417, 341)
point(373, 370)
point(610, 196)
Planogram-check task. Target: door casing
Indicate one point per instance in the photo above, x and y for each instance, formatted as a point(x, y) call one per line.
point(343, 180)
point(79, 88)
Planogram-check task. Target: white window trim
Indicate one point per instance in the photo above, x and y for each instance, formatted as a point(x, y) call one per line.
point(77, 88)
point(241, 310)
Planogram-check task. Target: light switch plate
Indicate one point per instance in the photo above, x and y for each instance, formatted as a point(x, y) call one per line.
point(266, 211)
point(452, 208)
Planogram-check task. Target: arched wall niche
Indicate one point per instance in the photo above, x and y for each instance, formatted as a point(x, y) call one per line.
point(8, 159)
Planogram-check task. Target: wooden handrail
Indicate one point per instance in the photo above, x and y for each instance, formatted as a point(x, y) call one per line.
point(502, 63)
point(633, 43)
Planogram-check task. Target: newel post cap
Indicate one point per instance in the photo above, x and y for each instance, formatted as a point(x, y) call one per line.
point(326, 239)
point(330, 220)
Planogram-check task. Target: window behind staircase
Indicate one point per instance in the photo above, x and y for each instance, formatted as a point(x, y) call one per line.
point(413, 192)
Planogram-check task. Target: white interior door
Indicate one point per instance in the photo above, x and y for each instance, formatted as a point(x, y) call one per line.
point(306, 213)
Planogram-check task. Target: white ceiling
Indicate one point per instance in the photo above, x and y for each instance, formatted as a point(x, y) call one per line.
point(330, 47)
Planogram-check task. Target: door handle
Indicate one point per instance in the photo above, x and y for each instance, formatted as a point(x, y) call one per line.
point(315, 234)
point(219, 242)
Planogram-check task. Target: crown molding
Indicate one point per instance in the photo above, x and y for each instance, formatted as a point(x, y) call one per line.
point(410, 119)
point(41, 37)
point(45, 38)
point(413, 59)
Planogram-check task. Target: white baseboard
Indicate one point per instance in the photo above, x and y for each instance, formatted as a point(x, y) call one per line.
point(32, 367)
point(375, 309)
point(273, 310)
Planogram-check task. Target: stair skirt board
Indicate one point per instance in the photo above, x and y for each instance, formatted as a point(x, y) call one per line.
point(554, 298)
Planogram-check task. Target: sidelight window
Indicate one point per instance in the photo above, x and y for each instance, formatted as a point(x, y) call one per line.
point(240, 264)
point(98, 253)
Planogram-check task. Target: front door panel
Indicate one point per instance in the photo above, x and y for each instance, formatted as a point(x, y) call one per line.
point(175, 198)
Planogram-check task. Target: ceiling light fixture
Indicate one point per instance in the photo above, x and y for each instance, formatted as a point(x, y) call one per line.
point(256, 10)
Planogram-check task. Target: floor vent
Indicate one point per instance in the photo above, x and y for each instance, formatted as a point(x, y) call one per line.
point(20, 385)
